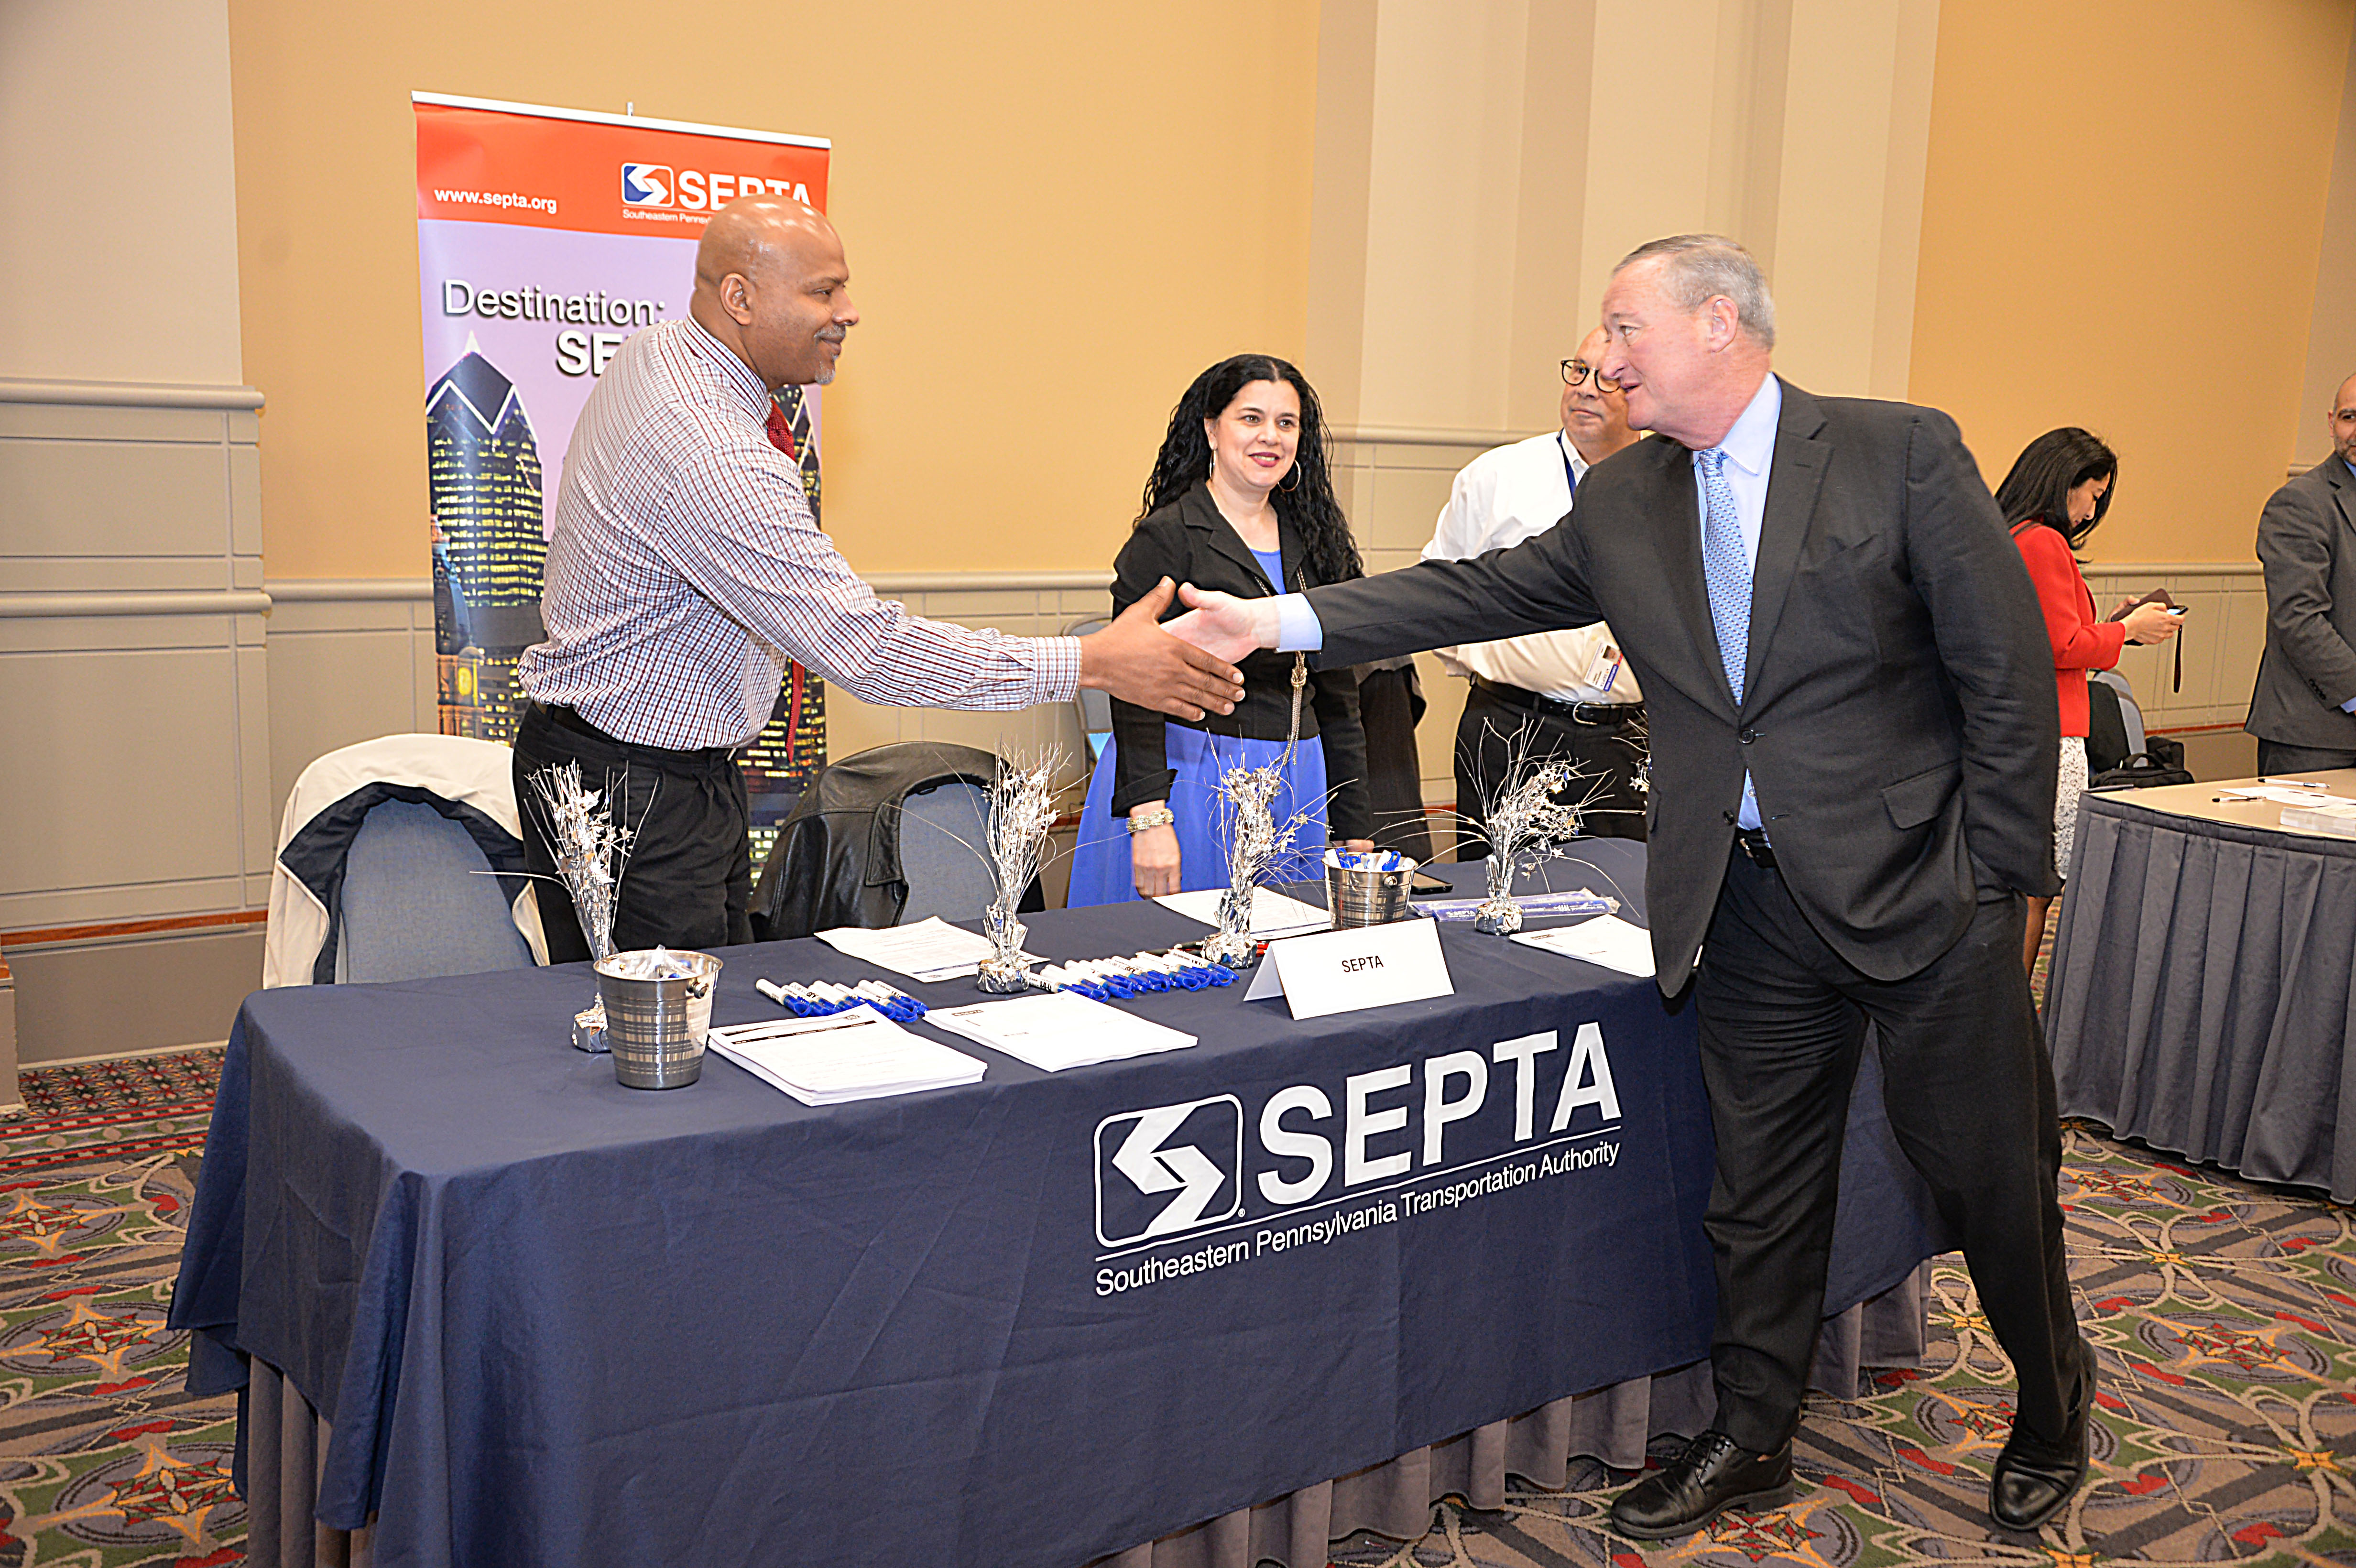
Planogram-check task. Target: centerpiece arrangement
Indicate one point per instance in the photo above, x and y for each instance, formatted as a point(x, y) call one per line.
point(1021, 810)
point(590, 849)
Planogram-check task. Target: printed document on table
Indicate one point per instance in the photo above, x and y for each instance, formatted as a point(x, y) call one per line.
point(2285, 794)
point(1606, 940)
point(1056, 1029)
point(1273, 914)
point(859, 1054)
point(929, 950)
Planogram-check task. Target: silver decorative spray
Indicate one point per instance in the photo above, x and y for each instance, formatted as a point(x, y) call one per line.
point(1021, 810)
point(1254, 841)
point(1524, 823)
point(590, 849)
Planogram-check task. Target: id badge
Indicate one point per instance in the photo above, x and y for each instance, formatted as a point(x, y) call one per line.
point(1604, 670)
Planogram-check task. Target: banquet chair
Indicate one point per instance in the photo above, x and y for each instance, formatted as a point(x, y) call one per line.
point(888, 835)
point(1094, 707)
point(944, 831)
point(401, 859)
point(420, 898)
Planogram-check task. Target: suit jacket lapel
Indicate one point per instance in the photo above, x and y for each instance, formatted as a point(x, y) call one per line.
point(1679, 511)
point(1792, 479)
point(1202, 512)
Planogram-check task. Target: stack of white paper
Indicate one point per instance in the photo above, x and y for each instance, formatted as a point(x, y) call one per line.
point(1056, 1029)
point(929, 950)
point(855, 1055)
point(1606, 940)
point(1273, 914)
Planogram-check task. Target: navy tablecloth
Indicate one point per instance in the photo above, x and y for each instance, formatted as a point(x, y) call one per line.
point(2201, 996)
point(552, 1320)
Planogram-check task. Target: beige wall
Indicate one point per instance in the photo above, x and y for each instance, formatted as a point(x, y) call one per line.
point(1057, 213)
point(2332, 328)
point(2121, 230)
point(118, 259)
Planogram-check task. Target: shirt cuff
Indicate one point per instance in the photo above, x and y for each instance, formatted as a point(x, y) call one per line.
point(1058, 675)
point(2348, 705)
point(1298, 630)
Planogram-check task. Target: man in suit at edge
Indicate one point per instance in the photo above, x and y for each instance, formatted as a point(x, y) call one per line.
point(1846, 816)
point(2303, 710)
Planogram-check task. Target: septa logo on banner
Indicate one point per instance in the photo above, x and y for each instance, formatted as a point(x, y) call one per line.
point(647, 184)
point(1169, 1170)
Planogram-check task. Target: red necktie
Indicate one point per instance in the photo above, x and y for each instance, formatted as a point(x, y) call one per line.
point(781, 432)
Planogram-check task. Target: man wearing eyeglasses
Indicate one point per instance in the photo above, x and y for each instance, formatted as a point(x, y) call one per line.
point(1547, 695)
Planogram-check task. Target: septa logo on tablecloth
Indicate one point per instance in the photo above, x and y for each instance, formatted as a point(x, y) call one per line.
point(647, 184)
point(1169, 1170)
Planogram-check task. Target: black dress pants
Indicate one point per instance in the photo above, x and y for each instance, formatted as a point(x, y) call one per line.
point(1494, 731)
point(1969, 1092)
point(2276, 757)
point(689, 879)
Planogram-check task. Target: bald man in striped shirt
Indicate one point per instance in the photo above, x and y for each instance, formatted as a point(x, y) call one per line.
point(685, 570)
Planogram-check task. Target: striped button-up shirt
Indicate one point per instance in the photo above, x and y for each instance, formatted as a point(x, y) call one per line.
point(685, 570)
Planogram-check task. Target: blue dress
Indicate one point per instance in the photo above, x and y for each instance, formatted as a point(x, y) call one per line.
point(1100, 868)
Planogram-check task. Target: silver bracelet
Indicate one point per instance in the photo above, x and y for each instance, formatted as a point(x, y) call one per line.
point(1146, 821)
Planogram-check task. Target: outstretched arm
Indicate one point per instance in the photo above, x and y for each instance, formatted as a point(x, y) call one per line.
point(1536, 586)
point(1136, 661)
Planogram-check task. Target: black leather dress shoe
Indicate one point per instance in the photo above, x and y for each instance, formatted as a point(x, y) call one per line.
point(2034, 1479)
point(1712, 1475)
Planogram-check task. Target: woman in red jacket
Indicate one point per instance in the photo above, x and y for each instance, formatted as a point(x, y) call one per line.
point(2058, 488)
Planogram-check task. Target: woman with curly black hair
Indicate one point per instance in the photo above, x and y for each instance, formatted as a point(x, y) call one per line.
point(1240, 500)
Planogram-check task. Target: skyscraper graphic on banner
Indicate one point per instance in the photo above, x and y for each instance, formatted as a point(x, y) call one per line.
point(489, 551)
point(792, 747)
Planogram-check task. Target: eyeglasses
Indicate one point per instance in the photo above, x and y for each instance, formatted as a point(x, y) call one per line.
point(1574, 371)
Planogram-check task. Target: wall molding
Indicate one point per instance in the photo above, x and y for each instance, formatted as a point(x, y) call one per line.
point(1411, 435)
point(128, 394)
point(349, 590)
point(185, 601)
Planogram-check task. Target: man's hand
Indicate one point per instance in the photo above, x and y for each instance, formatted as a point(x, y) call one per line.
point(1224, 624)
point(1138, 662)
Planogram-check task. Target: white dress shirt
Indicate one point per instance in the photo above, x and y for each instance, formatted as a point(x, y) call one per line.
point(1500, 498)
point(685, 569)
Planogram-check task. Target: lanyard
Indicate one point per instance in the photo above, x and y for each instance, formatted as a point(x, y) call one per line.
point(1569, 474)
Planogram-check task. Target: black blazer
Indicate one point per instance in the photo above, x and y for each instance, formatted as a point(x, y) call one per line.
point(1897, 710)
point(2307, 542)
point(1189, 541)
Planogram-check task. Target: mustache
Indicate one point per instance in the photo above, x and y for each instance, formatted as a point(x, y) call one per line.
point(833, 333)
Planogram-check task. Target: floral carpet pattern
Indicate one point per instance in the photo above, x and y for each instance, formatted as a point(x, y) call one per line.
point(2224, 1314)
point(2224, 1318)
point(104, 1460)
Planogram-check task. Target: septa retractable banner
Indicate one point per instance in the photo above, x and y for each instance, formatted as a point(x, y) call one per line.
point(545, 236)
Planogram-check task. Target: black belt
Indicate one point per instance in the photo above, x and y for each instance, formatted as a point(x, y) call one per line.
point(568, 719)
point(1753, 841)
point(1577, 712)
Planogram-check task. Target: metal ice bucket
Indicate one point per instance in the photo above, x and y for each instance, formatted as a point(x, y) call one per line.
point(656, 1028)
point(1357, 897)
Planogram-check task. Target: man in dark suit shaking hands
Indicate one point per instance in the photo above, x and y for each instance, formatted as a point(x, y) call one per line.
point(1853, 730)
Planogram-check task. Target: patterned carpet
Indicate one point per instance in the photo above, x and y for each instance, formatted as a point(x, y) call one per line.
point(2224, 1315)
point(104, 1461)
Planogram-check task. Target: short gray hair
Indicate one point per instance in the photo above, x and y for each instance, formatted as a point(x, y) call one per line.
point(1701, 267)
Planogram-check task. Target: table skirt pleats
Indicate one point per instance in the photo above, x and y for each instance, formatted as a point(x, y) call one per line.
point(2199, 998)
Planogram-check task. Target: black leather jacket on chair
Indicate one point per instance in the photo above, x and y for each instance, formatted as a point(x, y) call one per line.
point(837, 859)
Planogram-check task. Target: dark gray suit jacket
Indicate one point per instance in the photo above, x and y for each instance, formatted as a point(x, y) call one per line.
point(2305, 544)
point(1898, 714)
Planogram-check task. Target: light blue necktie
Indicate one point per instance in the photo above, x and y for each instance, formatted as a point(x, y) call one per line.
point(1726, 572)
point(1725, 568)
